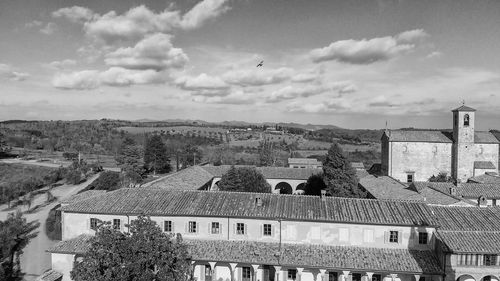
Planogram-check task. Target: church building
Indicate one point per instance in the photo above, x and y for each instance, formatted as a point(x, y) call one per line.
point(462, 153)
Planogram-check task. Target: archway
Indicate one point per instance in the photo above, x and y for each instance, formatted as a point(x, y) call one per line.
point(465, 277)
point(301, 186)
point(284, 188)
point(489, 278)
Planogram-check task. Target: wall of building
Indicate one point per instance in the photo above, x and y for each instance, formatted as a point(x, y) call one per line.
point(63, 263)
point(385, 154)
point(423, 159)
point(273, 182)
point(474, 272)
point(336, 234)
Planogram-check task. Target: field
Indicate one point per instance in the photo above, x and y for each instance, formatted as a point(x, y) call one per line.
point(56, 158)
point(10, 173)
point(202, 131)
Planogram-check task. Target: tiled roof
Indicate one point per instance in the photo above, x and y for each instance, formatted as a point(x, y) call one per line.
point(319, 256)
point(464, 108)
point(190, 179)
point(303, 161)
point(50, 275)
point(268, 172)
point(486, 178)
point(467, 218)
point(358, 165)
point(474, 190)
point(484, 137)
point(435, 136)
point(385, 187)
point(82, 196)
point(419, 136)
point(78, 245)
point(479, 242)
point(152, 202)
point(483, 165)
point(437, 197)
point(468, 190)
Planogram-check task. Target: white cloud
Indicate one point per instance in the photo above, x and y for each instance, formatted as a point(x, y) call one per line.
point(49, 28)
point(329, 106)
point(114, 76)
point(153, 52)
point(236, 97)
point(6, 71)
point(291, 92)
point(202, 12)
point(258, 76)
point(201, 82)
point(64, 64)
point(366, 51)
point(34, 23)
point(81, 80)
point(435, 54)
point(74, 14)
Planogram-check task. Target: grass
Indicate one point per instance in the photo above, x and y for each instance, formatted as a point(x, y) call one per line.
point(11, 173)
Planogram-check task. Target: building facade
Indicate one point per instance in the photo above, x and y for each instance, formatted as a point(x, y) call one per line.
point(463, 152)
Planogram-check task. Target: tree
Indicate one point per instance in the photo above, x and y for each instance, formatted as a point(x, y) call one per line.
point(441, 177)
point(130, 160)
point(155, 155)
point(267, 153)
point(146, 253)
point(4, 148)
point(191, 155)
point(339, 176)
point(244, 179)
point(15, 234)
point(314, 185)
point(107, 180)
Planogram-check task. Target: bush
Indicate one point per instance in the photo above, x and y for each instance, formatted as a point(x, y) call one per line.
point(108, 180)
point(53, 226)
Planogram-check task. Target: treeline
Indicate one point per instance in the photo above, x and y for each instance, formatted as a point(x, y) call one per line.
point(348, 136)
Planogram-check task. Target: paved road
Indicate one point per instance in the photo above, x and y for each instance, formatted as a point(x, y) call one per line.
point(35, 260)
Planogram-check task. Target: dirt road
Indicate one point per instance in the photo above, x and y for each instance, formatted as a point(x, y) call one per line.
point(35, 260)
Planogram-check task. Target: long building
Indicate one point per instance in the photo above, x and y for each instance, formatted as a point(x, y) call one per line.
point(273, 237)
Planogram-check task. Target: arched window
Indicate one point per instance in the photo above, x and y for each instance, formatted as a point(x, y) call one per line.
point(466, 120)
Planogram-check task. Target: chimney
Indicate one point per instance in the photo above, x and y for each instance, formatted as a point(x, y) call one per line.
point(323, 193)
point(453, 190)
point(258, 201)
point(482, 202)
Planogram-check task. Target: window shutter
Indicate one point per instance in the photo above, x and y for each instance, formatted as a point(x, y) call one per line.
point(234, 228)
point(173, 228)
point(400, 237)
point(209, 228)
point(246, 229)
point(88, 223)
point(261, 230)
point(386, 237)
point(186, 227)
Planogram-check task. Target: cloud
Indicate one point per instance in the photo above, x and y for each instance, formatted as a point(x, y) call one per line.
point(202, 12)
point(114, 76)
point(258, 76)
point(290, 92)
point(34, 23)
point(6, 71)
point(74, 14)
point(435, 54)
point(366, 51)
point(236, 97)
point(49, 28)
point(201, 82)
point(153, 52)
point(59, 65)
point(330, 106)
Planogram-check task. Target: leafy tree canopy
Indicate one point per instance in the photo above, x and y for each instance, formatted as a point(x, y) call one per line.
point(339, 176)
point(15, 234)
point(244, 179)
point(441, 177)
point(155, 155)
point(130, 160)
point(314, 185)
point(107, 180)
point(144, 254)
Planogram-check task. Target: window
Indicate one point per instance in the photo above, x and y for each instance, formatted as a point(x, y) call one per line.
point(215, 228)
point(489, 260)
point(376, 277)
point(423, 238)
point(343, 234)
point(333, 276)
point(116, 224)
point(246, 273)
point(167, 226)
point(240, 228)
point(393, 236)
point(292, 274)
point(409, 178)
point(192, 227)
point(368, 236)
point(356, 277)
point(208, 272)
point(267, 230)
point(466, 120)
point(422, 278)
point(93, 223)
point(493, 202)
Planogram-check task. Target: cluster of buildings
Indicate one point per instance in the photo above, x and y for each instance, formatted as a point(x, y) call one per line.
point(410, 229)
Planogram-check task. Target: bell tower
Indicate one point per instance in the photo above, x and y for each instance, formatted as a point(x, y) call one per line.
point(463, 143)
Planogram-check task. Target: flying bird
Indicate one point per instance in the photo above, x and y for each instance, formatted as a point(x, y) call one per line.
point(260, 64)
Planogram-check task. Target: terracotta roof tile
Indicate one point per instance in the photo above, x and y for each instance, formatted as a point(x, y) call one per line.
point(152, 201)
point(50, 275)
point(486, 178)
point(320, 256)
point(79, 245)
point(190, 179)
point(445, 136)
point(464, 108)
point(479, 242)
point(483, 165)
point(475, 190)
point(485, 137)
point(82, 196)
point(385, 187)
point(467, 218)
point(310, 161)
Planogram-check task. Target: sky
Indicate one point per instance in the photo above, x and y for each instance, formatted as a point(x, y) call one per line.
point(351, 63)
